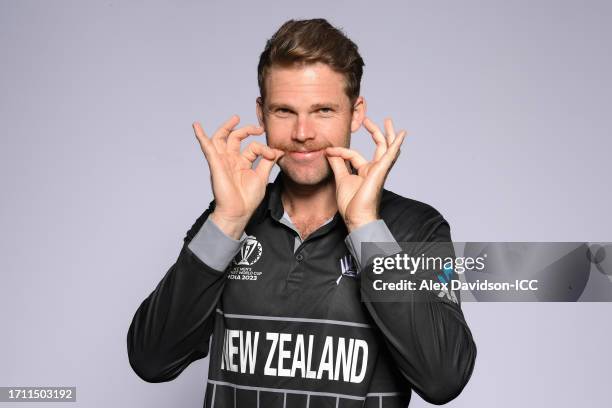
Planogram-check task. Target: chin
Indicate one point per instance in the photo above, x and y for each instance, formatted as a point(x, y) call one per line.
point(306, 175)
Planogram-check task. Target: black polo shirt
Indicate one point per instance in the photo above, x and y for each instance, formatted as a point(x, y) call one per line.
point(291, 326)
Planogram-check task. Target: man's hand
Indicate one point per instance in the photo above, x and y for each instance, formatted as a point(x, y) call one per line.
point(238, 188)
point(358, 195)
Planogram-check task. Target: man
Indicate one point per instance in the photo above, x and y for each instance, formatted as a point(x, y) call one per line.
point(274, 272)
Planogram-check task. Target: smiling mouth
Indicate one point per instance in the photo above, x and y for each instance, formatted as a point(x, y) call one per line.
point(305, 155)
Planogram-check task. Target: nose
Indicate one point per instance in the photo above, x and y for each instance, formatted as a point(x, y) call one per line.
point(303, 129)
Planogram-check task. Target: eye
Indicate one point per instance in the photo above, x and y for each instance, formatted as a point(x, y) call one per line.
point(282, 112)
point(325, 111)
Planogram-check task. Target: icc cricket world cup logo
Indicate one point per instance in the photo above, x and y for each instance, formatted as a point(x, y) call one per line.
point(250, 252)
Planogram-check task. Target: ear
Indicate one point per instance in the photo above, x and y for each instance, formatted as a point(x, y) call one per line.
point(359, 114)
point(259, 110)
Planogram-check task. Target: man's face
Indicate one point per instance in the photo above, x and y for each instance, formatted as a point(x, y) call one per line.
point(307, 110)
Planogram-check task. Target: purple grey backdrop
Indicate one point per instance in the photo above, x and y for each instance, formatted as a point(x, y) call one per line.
point(508, 105)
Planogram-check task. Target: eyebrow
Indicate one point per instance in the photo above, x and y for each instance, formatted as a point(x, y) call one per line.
point(315, 106)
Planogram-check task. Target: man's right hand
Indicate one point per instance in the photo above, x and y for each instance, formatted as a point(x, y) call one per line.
point(238, 188)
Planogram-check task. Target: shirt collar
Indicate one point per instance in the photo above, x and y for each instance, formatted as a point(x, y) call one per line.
point(275, 203)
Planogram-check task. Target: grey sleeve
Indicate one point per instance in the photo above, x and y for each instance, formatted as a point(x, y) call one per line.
point(376, 232)
point(213, 247)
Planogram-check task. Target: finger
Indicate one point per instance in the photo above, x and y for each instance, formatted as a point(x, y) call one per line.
point(378, 174)
point(220, 136)
point(389, 130)
point(237, 136)
point(378, 136)
point(255, 149)
point(338, 166)
point(379, 139)
point(264, 167)
point(398, 143)
point(373, 128)
point(356, 159)
point(394, 150)
point(205, 144)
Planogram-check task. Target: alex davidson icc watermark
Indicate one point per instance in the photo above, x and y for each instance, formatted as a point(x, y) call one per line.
point(487, 271)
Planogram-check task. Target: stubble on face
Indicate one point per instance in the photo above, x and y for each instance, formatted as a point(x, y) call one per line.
point(298, 89)
point(305, 170)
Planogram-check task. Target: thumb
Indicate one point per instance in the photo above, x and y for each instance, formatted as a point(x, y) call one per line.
point(264, 167)
point(338, 166)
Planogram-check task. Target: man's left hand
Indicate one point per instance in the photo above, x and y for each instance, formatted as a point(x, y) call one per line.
point(358, 195)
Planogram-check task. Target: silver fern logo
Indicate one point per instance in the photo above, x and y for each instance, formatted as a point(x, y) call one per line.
point(347, 267)
point(250, 252)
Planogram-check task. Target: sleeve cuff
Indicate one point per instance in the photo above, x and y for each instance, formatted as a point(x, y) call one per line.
point(376, 232)
point(213, 247)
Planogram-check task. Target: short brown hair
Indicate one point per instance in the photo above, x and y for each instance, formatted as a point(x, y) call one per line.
point(310, 41)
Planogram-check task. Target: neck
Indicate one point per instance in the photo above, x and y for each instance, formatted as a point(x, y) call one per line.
point(310, 201)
